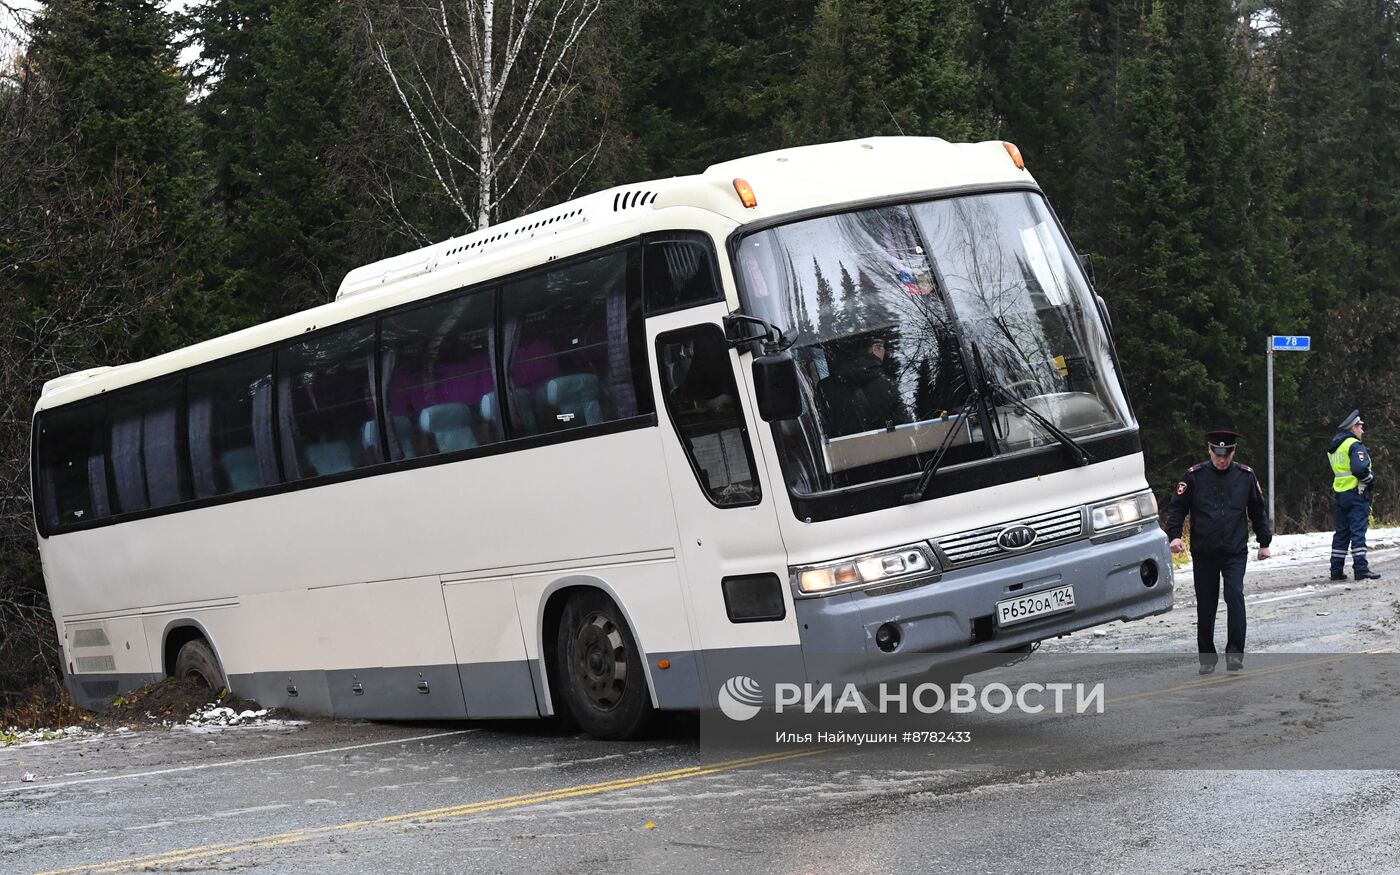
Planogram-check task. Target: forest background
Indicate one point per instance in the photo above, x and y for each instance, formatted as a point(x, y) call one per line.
point(1232, 166)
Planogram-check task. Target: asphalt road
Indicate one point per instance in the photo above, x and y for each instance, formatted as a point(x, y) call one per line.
point(374, 798)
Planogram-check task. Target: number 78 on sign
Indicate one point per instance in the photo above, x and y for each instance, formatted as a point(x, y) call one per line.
point(1290, 342)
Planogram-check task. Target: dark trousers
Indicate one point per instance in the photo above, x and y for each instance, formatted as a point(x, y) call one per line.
point(1209, 571)
point(1353, 515)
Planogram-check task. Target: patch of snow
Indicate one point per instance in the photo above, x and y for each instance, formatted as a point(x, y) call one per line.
point(1306, 546)
point(12, 737)
point(217, 718)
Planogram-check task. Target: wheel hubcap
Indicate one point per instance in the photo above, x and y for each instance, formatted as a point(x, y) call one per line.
point(600, 661)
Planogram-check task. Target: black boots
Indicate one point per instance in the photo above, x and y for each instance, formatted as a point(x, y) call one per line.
point(1367, 575)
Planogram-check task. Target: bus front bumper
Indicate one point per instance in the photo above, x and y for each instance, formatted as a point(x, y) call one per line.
point(955, 616)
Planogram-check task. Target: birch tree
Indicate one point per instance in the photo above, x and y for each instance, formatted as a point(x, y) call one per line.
point(483, 86)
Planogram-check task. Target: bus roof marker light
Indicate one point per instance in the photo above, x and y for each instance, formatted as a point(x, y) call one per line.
point(1015, 155)
point(746, 195)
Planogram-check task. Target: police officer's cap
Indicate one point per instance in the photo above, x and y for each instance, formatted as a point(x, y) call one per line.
point(1222, 441)
point(1353, 418)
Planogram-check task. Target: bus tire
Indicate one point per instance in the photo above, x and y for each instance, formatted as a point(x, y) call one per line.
point(196, 662)
point(600, 669)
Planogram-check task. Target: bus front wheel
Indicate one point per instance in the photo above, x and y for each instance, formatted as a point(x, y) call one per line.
point(196, 662)
point(600, 669)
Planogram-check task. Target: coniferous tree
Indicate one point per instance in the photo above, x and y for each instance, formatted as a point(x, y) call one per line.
point(876, 68)
point(826, 304)
point(710, 80)
point(274, 116)
point(118, 102)
point(1336, 104)
point(1196, 257)
point(102, 244)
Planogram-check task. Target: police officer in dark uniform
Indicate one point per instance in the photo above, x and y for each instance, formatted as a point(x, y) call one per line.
point(1219, 495)
point(1352, 482)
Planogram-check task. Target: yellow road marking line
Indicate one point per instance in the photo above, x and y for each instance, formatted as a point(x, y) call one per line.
point(433, 814)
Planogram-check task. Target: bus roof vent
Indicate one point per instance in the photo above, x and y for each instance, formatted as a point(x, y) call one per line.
point(498, 237)
point(626, 200)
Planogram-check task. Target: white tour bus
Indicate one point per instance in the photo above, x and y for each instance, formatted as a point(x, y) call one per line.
point(836, 413)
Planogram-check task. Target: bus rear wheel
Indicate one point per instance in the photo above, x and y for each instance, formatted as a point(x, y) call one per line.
point(600, 669)
point(195, 662)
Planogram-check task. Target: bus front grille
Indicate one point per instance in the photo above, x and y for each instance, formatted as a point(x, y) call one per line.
point(986, 544)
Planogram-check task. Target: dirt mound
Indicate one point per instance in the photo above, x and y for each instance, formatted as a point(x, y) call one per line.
point(169, 700)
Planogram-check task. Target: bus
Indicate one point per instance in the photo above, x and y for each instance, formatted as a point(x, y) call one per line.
point(843, 412)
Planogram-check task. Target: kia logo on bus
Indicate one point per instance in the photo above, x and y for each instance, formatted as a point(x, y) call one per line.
point(1016, 537)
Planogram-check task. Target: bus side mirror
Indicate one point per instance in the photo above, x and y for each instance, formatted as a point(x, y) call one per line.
point(1086, 263)
point(778, 387)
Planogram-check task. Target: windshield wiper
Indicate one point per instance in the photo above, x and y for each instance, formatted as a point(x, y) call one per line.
point(1076, 450)
point(920, 492)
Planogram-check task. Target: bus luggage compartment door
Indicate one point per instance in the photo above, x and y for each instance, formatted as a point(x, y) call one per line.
point(490, 648)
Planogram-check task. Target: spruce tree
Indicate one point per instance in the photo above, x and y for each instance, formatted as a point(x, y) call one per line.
point(274, 116)
point(874, 68)
point(1197, 250)
point(118, 102)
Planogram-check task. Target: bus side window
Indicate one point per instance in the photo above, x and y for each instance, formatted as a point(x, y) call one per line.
point(678, 271)
point(702, 398)
point(567, 341)
point(73, 465)
point(147, 447)
point(230, 427)
point(438, 378)
point(324, 399)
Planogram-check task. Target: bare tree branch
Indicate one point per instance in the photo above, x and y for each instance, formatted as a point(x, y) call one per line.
point(482, 83)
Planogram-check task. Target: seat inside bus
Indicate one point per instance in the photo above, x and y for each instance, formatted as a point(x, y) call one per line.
point(330, 457)
point(450, 425)
point(241, 468)
point(575, 399)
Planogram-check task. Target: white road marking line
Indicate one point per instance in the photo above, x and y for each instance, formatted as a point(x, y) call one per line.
point(202, 766)
point(1282, 598)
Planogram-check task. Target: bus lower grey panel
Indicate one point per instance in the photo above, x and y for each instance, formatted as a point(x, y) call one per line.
point(499, 689)
point(304, 692)
point(408, 693)
point(95, 691)
point(767, 666)
point(677, 687)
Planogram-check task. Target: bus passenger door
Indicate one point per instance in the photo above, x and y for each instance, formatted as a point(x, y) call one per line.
point(734, 564)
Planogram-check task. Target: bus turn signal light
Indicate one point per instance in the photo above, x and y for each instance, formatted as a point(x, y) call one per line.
point(1015, 156)
point(745, 193)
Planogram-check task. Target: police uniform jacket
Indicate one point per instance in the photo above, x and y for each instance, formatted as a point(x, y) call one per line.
point(1356, 454)
point(1219, 503)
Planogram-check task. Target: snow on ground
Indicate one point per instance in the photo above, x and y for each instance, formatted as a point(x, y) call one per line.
point(1310, 546)
point(12, 737)
point(216, 718)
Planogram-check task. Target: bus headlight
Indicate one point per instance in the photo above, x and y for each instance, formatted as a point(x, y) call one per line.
point(1122, 511)
point(860, 571)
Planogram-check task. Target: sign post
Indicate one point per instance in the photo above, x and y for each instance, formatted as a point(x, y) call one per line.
point(1279, 343)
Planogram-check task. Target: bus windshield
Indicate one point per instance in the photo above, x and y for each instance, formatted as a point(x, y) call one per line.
point(894, 307)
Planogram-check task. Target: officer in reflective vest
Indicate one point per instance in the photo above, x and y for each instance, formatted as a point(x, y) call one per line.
point(1222, 497)
point(1352, 481)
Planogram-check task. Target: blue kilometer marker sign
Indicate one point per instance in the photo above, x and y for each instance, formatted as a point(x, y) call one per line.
point(1291, 342)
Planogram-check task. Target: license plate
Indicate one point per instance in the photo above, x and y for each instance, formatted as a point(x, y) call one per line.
point(1036, 604)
